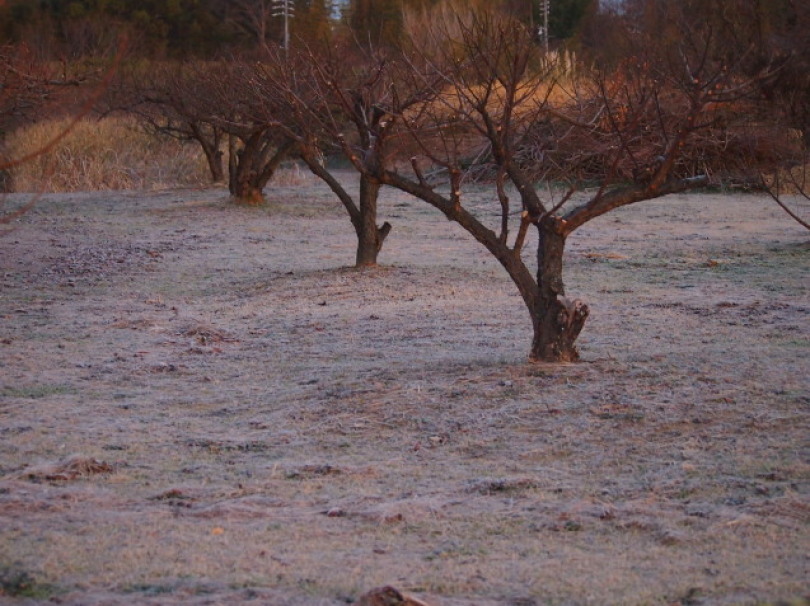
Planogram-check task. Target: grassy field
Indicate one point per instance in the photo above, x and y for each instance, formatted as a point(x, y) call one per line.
point(200, 403)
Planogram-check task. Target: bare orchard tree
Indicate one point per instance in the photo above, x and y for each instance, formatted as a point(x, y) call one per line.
point(646, 131)
point(206, 102)
point(256, 148)
point(329, 104)
point(165, 97)
point(494, 85)
point(765, 45)
point(255, 17)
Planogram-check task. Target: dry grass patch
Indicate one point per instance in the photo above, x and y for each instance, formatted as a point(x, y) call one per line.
point(107, 154)
point(73, 468)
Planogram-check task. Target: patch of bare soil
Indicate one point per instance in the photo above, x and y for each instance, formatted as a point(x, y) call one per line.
point(201, 404)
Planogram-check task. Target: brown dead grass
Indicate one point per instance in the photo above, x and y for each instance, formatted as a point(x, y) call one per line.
point(259, 423)
point(108, 154)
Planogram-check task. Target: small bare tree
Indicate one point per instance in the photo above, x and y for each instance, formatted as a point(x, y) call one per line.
point(328, 104)
point(222, 100)
point(256, 148)
point(165, 98)
point(255, 17)
point(764, 45)
point(212, 104)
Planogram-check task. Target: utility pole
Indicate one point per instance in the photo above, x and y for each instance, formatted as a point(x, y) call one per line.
point(545, 6)
point(286, 9)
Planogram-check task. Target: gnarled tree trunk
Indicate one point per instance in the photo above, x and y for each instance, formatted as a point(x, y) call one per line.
point(557, 320)
point(252, 166)
point(369, 237)
point(243, 183)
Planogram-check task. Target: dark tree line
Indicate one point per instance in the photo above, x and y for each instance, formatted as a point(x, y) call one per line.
point(206, 28)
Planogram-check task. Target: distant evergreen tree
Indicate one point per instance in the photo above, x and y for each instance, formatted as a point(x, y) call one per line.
point(175, 27)
point(313, 19)
point(566, 16)
point(375, 21)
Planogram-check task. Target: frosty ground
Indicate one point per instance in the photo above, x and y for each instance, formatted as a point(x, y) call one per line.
point(204, 403)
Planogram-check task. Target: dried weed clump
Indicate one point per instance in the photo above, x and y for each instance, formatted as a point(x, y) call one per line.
point(106, 154)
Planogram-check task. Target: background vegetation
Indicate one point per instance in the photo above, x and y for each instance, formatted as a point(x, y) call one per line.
point(202, 28)
point(103, 154)
point(65, 48)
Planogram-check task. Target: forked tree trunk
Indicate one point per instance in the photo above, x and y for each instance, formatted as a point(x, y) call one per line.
point(557, 320)
point(369, 237)
point(244, 189)
point(243, 179)
point(252, 166)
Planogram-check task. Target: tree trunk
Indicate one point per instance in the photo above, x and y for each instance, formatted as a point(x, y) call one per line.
point(210, 143)
point(243, 177)
point(557, 320)
point(242, 183)
point(214, 161)
point(369, 237)
point(215, 167)
point(363, 217)
point(252, 166)
point(244, 192)
point(233, 163)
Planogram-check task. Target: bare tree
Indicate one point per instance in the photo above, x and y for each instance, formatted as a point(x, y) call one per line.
point(29, 88)
point(651, 128)
point(327, 103)
point(256, 148)
point(211, 103)
point(256, 18)
point(165, 97)
point(223, 102)
point(493, 85)
point(764, 44)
